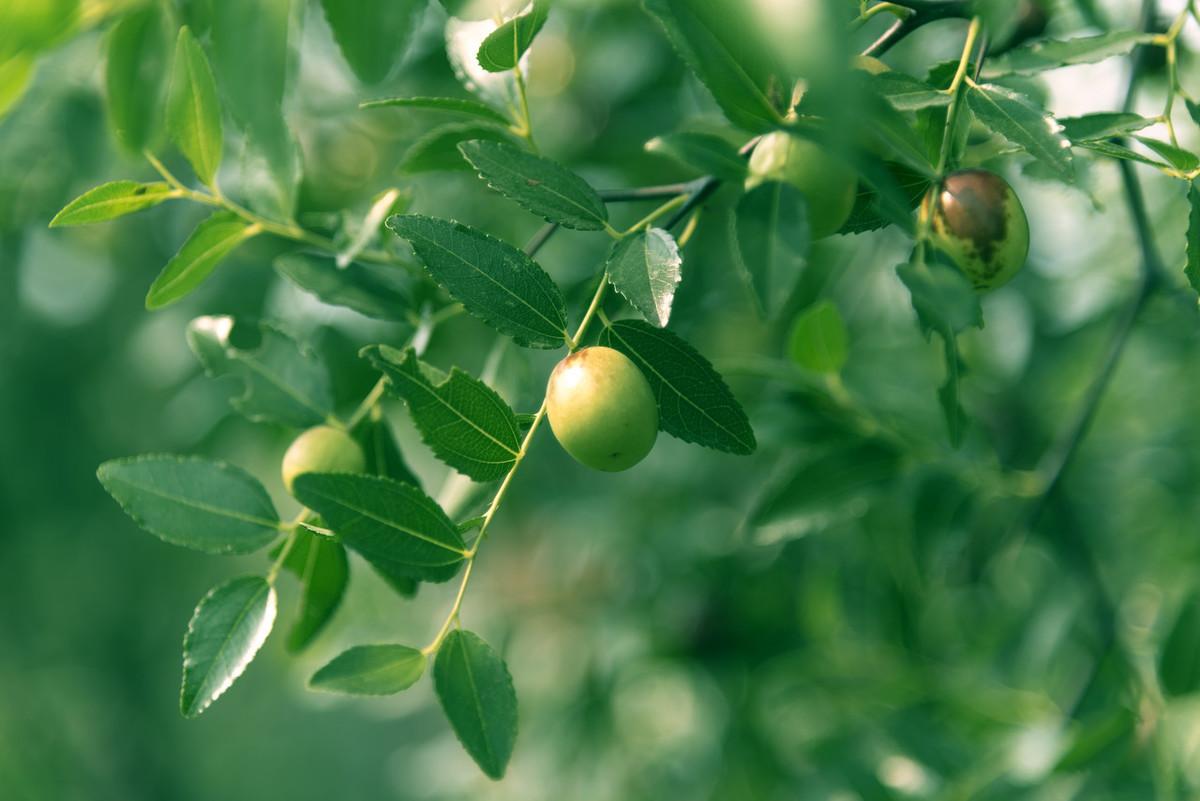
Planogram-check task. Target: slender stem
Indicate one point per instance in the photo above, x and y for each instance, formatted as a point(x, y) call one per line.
point(523, 100)
point(367, 404)
point(273, 573)
point(646, 221)
point(956, 91)
point(926, 11)
point(540, 238)
point(647, 192)
point(895, 9)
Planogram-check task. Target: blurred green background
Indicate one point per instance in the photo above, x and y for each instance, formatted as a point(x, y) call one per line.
point(827, 619)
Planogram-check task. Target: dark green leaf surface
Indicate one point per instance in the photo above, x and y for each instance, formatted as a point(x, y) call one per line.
point(1192, 266)
point(1103, 125)
point(702, 153)
point(193, 111)
point(284, 382)
point(382, 291)
point(392, 525)
point(196, 503)
point(381, 452)
point(452, 105)
point(1179, 665)
point(134, 76)
point(503, 47)
point(214, 239)
point(644, 268)
point(372, 34)
point(477, 695)
point(1050, 54)
point(818, 339)
point(868, 213)
point(111, 200)
point(771, 227)
point(371, 670)
point(321, 566)
point(229, 626)
point(438, 150)
point(464, 421)
point(942, 297)
point(540, 185)
point(495, 281)
point(907, 93)
point(1018, 120)
point(694, 403)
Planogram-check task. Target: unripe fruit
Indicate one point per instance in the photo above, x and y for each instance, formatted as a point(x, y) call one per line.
point(601, 409)
point(322, 449)
point(977, 220)
point(828, 185)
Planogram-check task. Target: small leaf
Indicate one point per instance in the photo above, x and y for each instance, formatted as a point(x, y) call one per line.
point(907, 93)
point(462, 419)
point(1102, 126)
point(477, 695)
point(818, 339)
point(438, 150)
point(196, 503)
point(942, 297)
point(540, 185)
point(214, 239)
point(1051, 54)
point(193, 111)
point(229, 626)
point(868, 213)
point(702, 153)
point(321, 566)
point(771, 227)
point(392, 525)
point(111, 200)
point(644, 268)
point(694, 404)
point(382, 291)
point(1179, 665)
point(503, 47)
point(1177, 157)
point(372, 34)
point(133, 76)
point(450, 105)
point(284, 382)
point(382, 455)
point(495, 281)
point(393, 201)
point(371, 670)
point(1018, 120)
point(1106, 147)
point(1192, 266)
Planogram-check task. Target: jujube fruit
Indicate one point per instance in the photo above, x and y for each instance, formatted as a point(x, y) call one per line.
point(601, 409)
point(322, 449)
point(977, 220)
point(828, 185)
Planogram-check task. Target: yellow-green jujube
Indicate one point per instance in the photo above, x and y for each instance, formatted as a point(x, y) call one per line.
point(601, 409)
point(828, 185)
point(322, 449)
point(977, 220)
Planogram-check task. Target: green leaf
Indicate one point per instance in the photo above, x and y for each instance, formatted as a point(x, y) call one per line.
point(948, 393)
point(229, 626)
point(382, 455)
point(1113, 150)
point(1051, 54)
point(1179, 665)
point(193, 111)
point(371, 670)
point(907, 93)
point(503, 47)
point(387, 203)
point(868, 213)
point(133, 76)
point(942, 297)
point(540, 185)
point(15, 76)
point(462, 419)
point(1103, 125)
point(694, 404)
point(818, 339)
point(372, 34)
point(214, 239)
point(477, 695)
point(209, 506)
point(451, 105)
point(1018, 120)
point(1177, 157)
point(392, 525)
point(644, 268)
point(321, 566)
point(771, 226)
point(890, 131)
point(720, 44)
point(111, 200)
point(496, 282)
point(438, 150)
point(702, 153)
point(382, 291)
point(1192, 267)
point(284, 382)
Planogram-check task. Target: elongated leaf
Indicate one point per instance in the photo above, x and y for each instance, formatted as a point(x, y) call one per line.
point(438, 150)
point(868, 214)
point(463, 420)
point(372, 34)
point(496, 282)
point(477, 695)
point(503, 47)
point(907, 93)
point(1050, 54)
point(111, 200)
point(702, 153)
point(694, 403)
point(1192, 267)
point(1177, 157)
point(229, 626)
point(1106, 147)
point(133, 76)
point(540, 185)
point(321, 566)
point(193, 111)
point(1103, 125)
point(393, 525)
point(214, 239)
point(1018, 120)
point(284, 382)
point(772, 232)
point(1179, 665)
point(452, 105)
point(381, 452)
point(196, 503)
point(371, 670)
point(392, 201)
point(382, 291)
point(644, 267)
point(818, 339)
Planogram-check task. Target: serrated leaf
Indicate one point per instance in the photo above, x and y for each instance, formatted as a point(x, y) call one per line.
point(382, 291)
point(1019, 121)
point(771, 227)
point(320, 564)
point(907, 93)
point(493, 280)
point(111, 200)
point(371, 670)
point(133, 76)
point(438, 150)
point(392, 525)
point(382, 455)
point(372, 34)
point(890, 131)
point(1114, 150)
point(1103, 125)
point(1177, 157)
point(464, 421)
point(209, 506)
point(702, 153)
point(818, 339)
point(477, 695)
point(193, 111)
point(1051, 54)
point(868, 213)
point(644, 268)
point(214, 239)
point(1192, 266)
point(694, 403)
point(451, 105)
point(229, 626)
point(283, 381)
point(538, 184)
point(503, 47)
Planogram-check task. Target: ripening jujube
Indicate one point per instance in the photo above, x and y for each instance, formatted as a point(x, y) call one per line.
point(977, 220)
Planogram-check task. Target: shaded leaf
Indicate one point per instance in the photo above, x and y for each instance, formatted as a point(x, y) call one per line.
point(133, 76)
point(452, 105)
point(193, 111)
point(1177, 157)
point(382, 291)
point(111, 200)
point(907, 93)
point(371, 670)
point(438, 150)
point(818, 339)
point(644, 268)
point(372, 34)
point(702, 153)
point(1179, 664)
point(381, 452)
point(1192, 266)
point(214, 239)
point(477, 695)
point(1103, 125)
point(320, 564)
point(771, 226)
point(1050, 54)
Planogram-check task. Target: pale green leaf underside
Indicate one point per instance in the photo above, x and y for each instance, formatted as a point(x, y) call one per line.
point(645, 268)
point(477, 695)
point(371, 670)
point(503, 47)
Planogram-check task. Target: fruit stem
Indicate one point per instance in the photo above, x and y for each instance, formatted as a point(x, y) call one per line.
point(955, 91)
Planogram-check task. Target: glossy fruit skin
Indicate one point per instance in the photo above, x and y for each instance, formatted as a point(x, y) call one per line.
point(601, 409)
point(977, 220)
point(829, 186)
point(322, 449)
